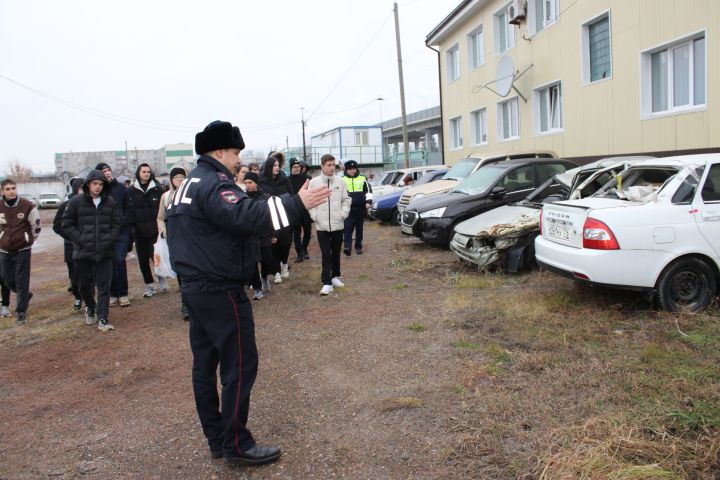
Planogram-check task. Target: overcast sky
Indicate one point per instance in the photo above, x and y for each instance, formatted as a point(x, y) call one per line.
point(167, 68)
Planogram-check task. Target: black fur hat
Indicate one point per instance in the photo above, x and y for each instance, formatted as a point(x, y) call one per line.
point(351, 164)
point(252, 176)
point(218, 135)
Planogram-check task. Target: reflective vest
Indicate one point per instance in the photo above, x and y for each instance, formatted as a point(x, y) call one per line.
point(355, 184)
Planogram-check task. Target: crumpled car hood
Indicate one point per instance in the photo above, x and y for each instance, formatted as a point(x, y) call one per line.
point(508, 220)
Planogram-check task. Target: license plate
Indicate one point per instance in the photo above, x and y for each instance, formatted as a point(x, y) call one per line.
point(406, 229)
point(561, 233)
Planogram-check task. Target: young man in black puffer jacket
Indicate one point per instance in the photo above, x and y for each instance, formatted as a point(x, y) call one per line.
point(76, 185)
point(92, 222)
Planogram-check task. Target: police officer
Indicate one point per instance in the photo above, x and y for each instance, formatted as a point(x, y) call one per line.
point(211, 225)
point(357, 188)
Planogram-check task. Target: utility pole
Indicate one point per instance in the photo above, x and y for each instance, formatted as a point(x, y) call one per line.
point(127, 157)
point(406, 146)
point(302, 117)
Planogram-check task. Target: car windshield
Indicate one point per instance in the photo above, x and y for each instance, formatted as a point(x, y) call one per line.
point(461, 170)
point(481, 180)
point(427, 178)
point(386, 178)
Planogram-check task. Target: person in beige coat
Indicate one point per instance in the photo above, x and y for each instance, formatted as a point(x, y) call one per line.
point(329, 218)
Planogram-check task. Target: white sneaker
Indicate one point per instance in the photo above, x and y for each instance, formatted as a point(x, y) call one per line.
point(4, 311)
point(162, 283)
point(104, 325)
point(337, 282)
point(124, 301)
point(278, 278)
point(284, 270)
point(113, 302)
point(149, 290)
point(326, 290)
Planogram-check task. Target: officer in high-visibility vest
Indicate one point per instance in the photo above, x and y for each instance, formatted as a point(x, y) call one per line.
point(357, 187)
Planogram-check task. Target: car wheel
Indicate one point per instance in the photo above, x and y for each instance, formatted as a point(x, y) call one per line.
point(395, 217)
point(688, 283)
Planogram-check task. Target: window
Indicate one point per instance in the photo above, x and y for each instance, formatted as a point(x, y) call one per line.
point(361, 137)
point(478, 122)
point(711, 188)
point(549, 170)
point(596, 52)
point(456, 132)
point(674, 76)
point(504, 32)
point(518, 179)
point(453, 63)
point(508, 120)
point(476, 48)
point(548, 108)
point(541, 14)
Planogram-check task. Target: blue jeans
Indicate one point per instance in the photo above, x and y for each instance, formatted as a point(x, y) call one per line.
point(119, 284)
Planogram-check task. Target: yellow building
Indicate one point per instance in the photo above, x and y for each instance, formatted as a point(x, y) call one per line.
point(601, 77)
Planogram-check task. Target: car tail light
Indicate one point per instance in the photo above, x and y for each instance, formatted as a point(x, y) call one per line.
point(598, 236)
point(540, 222)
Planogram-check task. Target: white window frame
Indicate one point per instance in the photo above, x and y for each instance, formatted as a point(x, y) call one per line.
point(510, 39)
point(532, 15)
point(537, 110)
point(456, 133)
point(500, 118)
point(475, 115)
point(585, 42)
point(646, 77)
point(452, 58)
point(472, 41)
point(364, 137)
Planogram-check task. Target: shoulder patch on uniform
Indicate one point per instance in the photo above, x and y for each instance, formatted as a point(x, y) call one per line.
point(223, 177)
point(229, 196)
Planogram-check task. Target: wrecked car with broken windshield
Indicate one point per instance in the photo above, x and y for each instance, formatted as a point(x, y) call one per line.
point(504, 237)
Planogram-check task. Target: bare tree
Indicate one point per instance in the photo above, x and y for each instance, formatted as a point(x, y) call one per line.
point(19, 173)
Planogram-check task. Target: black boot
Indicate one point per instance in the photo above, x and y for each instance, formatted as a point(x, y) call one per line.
point(299, 258)
point(305, 255)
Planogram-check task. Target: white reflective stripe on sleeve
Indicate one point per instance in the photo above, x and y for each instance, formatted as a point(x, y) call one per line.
point(273, 215)
point(281, 211)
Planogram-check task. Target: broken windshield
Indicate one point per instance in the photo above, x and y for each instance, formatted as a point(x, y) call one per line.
point(637, 184)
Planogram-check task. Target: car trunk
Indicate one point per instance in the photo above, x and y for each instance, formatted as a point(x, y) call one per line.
point(563, 222)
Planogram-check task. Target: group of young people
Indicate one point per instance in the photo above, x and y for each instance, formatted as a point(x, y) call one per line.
point(105, 217)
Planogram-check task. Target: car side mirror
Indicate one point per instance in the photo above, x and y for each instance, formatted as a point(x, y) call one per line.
point(498, 192)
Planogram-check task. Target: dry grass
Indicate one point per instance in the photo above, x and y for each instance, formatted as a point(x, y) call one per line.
point(580, 383)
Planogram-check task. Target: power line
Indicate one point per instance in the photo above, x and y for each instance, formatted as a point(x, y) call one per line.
point(350, 68)
point(102, 114)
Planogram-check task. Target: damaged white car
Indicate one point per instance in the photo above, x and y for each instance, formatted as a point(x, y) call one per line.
point(654, 229)
point(505, 236)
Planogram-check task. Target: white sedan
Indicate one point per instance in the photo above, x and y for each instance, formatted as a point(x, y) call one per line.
point(655, 228)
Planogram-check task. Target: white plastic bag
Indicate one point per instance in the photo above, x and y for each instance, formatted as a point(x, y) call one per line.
point(162, 259)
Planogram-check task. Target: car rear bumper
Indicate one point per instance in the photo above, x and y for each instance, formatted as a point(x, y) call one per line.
point(626, 269)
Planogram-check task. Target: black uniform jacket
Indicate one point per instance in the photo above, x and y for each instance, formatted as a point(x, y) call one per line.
point(213, 228)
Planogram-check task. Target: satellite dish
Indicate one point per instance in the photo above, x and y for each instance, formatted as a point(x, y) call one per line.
point(504, 76)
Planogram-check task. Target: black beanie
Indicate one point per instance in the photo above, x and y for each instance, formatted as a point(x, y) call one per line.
point(218, 135)
point(351, 164)
point(177, 171)
point(252, 176)
point(102, 165)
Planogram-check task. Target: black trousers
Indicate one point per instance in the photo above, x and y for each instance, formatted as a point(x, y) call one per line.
point(354, 222)
point(301, 234)
point(267, 266)
point(330, 247)
point(222, 331)
point(5, 293)
point(145, 253)
point(91, 275)
point(73, 275)
point(16, 276)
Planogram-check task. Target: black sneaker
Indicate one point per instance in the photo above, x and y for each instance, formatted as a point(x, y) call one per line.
point(21, 318)
point(347, 251)
point(299, 259)
point(77, 305)
point(359, 251)
point(306, 256)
